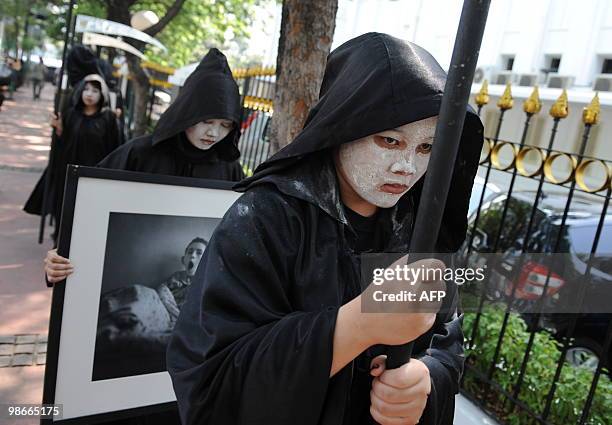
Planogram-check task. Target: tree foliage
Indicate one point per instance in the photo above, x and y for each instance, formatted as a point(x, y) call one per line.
point(199, 25)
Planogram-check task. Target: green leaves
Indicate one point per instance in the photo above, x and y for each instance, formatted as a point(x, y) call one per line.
point(572, 388)
point(200, 25)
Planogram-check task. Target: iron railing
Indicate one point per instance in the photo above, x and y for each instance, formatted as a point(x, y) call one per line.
point(504, 381)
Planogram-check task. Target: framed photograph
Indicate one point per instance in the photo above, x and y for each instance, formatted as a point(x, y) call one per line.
point(135, 241)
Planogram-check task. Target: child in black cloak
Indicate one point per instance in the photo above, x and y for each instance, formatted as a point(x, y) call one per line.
point(271, 331)
point(197, 135)
point(85, 133)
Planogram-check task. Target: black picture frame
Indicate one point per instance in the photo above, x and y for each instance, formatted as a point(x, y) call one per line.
point(75, 174)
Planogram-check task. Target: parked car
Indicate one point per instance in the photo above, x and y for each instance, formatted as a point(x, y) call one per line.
point(477, 193)
point(254, 141)
point(525, 286)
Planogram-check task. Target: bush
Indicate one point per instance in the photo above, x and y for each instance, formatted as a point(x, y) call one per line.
point(572, 388)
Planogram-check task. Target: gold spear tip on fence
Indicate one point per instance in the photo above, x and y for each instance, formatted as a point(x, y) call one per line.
point(590, 114)
point(532, 104)
point(559, 109)
point(482, 98)
point(506, 101)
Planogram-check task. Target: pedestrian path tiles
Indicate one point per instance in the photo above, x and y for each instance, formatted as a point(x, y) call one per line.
point(23, 350)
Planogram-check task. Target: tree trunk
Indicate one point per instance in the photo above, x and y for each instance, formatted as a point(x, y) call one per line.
point(307, 30)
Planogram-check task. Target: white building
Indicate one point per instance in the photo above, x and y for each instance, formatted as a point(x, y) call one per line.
point(526, 42)
point(568, 37)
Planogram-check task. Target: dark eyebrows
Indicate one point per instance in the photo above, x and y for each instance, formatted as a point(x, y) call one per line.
point(400, 136)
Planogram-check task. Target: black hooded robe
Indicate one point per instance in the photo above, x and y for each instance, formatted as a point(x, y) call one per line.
point(254, 340)
point(209, 92)
point(85, 140)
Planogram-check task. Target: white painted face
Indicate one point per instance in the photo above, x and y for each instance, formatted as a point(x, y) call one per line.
point(205, 134)
point(91, 95)
point(384, 166)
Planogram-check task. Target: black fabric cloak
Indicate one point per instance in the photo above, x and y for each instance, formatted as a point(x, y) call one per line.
point(253, 341)
point(80, 62)
point(85, 140)
point(209, 92)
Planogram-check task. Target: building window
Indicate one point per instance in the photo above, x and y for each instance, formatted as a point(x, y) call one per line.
point(553, 65)
point(606, 67)
point(509, 63)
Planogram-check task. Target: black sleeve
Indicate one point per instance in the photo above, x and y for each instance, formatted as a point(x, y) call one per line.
point(238, 172)
point(118, 159)
point(240, 354)
point(113, 138)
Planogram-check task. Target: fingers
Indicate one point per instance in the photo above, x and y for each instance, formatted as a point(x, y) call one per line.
point(54, 257)
point(378, 366)
point(55, 276)
point(60, 267)
point(403, 403)
point(408, 376)
point(396, 412)
point(57, 268)
point(385, 420)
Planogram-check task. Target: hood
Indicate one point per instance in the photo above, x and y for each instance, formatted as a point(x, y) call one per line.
point(81, 62)
point(78, 90)
point(209, 92)
point(373, 83)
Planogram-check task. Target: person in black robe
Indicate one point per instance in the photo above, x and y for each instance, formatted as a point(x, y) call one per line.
point(85, 133)
point(197, 136)
point(258, 338)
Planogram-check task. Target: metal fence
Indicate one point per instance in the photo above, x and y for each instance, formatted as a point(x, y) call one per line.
point(257, 91)
point(509, 369)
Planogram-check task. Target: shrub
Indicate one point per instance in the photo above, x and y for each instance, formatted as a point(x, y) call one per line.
point(572, 388)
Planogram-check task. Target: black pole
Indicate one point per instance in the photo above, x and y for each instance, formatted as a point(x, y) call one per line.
point(43, 212)
point(447, 136)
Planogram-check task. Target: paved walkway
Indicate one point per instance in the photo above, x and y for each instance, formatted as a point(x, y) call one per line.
point(24, 299)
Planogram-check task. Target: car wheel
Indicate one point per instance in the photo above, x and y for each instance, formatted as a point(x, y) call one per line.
point(584, 352)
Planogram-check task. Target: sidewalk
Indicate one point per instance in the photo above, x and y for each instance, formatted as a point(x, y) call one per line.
point(25, 300)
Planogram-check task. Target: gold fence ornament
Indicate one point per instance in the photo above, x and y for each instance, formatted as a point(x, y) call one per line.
point(532, 104)
point(482, 98)
point(581, 175)
point(543, 164)
point(560, 108)
point(496, 157)
point(548, 169)
point(590, 114)
point(506, 102)
point(521, 162)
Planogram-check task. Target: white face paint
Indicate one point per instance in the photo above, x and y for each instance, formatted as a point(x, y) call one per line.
point(382, 167)
point(205, 134)
point(91, 95)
